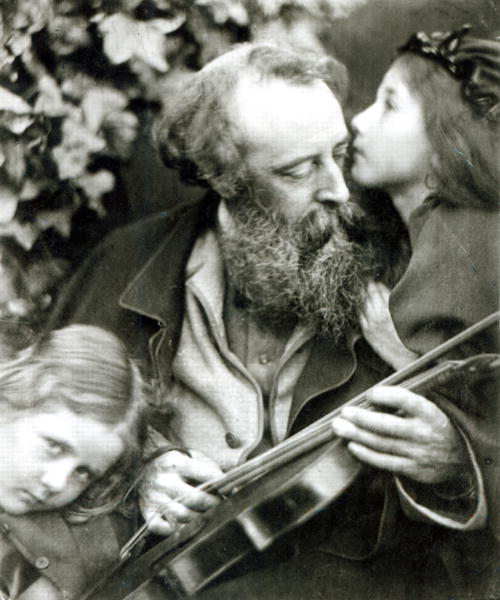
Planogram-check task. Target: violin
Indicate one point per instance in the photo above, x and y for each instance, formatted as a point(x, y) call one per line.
point(273, 493)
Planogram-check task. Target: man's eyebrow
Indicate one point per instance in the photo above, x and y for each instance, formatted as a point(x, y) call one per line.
point(293, 163)
point(297, 161)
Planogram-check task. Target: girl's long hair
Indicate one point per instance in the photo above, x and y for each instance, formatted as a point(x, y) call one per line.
point(86, 370)
point(466, 145)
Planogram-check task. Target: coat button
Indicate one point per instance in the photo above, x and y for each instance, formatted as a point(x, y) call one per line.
point(232, 441)
point(263, 359)
point(42, 562)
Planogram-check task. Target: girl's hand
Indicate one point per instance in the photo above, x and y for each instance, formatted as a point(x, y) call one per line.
point(168, 492)
point(378, 328)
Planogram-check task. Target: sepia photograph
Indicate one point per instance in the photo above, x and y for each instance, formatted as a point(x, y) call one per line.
point(249, 299)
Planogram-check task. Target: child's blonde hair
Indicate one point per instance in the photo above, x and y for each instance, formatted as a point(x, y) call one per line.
point(87, 370)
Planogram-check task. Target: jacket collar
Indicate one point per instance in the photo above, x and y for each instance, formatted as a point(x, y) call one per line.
point(157, 291)
point(329, 366)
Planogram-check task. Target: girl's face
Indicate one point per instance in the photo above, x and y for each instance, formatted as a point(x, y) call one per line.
point(391, 149)
point(47, 459)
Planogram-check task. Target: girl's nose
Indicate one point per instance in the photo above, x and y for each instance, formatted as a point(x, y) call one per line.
point(56, 476)
point(358, 122)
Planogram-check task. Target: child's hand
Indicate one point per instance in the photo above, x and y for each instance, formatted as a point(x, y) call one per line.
point(168, 493)
point(378, 328)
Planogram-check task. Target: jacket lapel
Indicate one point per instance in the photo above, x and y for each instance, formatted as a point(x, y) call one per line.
point(157, 291)
point(329, 366)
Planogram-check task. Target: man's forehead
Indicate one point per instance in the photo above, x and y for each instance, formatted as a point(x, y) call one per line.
point(274, 110)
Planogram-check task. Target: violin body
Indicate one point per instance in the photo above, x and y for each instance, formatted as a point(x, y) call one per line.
point(249, 520)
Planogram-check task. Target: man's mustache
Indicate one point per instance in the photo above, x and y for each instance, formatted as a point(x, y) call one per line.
point(317, 227)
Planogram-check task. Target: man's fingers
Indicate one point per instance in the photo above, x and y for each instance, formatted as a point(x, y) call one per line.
point(377, 299)
point(165, 518)
point(383, 444)
point(156, 523)
point(197, 467)
point(396, 464)
point(172, 485)
point(381, 292)
point(376, 422)
point(402, 400)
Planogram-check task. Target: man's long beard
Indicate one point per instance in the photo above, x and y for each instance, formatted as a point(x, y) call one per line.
point(308, 271)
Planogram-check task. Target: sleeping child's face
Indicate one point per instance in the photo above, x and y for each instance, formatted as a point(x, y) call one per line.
point(47, 459)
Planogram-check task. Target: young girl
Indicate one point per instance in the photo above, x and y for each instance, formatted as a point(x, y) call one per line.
point(71, 428)
point(431, 142)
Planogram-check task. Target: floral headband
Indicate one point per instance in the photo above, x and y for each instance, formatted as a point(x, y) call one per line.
point(473, 61)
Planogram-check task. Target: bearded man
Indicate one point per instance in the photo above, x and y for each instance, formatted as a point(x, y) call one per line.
point(245, 307)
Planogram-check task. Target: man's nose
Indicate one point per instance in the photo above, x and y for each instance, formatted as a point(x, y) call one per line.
point(332, 186)
point(56, 476)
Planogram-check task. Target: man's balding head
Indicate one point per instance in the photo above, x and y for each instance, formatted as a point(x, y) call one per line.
point(199, 134)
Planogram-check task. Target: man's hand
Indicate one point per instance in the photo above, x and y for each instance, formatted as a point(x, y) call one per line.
point(405, 434)
point(378, 328)
point(168, 493)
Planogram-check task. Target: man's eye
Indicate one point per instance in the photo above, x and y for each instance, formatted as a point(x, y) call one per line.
point(83, 474)
point(339, 156)
point(54, 447)
point(299, 172)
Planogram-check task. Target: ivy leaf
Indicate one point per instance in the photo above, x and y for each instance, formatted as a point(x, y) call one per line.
point(49, 101)
point(31, 189)
point(19, 43)
point(42, 275)
point(16, 124)
point(8, 203)
point(99, 102)
point(59, 219)
point(333, 9)
point(120, 130)
point(24, 233)
point(95, 185)
point(226, 10)
point(125, 38)
point(13, 153)
point(32, 15)
point(68, 33)
point(73, 153)
point(13, 103)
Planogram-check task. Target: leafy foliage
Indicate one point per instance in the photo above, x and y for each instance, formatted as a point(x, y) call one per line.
point(73, 75)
